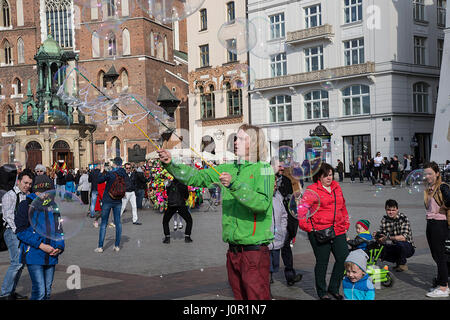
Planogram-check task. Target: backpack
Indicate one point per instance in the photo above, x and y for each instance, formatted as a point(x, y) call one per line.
point(118, 188)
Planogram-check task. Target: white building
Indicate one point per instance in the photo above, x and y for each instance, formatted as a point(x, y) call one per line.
point(218, 72)
point(367, 70)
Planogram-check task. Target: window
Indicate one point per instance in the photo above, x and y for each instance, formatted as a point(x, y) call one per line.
point(352, 11)
point(124, 79)
point(440, 50)
point(277, 29)
point(230, 12)
point(356, 100)
point(166, 49)
point(354, 51)
point(95, 45)
point(203, 20)
point(204, 55)
point(10, 116)
point(5, 18)
point(278, 65)
point(234, 101)
point(6, 53)
point(441, 12)
point(231, 54)
point(313, 16)
point(285, 154)
point(111, 8)
point(207, 103)
point(101, 79)
point(126, 42)
point(152, 44)
point(20, 51)
point(114, 113)
point(18, 85)
point(419, 10)
point(280, 109)
point(420, 97)
point(419, 50)
point(316, 104)
point(59, 18)
point(111, 45)
point(314, 58)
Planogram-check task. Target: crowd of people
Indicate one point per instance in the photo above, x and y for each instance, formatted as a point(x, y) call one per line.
point(259, 219)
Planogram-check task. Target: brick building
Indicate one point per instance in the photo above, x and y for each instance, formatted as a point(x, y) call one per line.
point(118, 46)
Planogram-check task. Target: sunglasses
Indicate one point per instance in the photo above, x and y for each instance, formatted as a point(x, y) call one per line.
point(39, 171)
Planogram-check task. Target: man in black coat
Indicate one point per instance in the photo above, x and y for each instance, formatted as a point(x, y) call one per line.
point(130, 195)
point(177, 194)
point(284, 186)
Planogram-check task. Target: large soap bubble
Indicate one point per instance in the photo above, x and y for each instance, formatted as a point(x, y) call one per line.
point(168, 11)
point(55, 217)
point(264, 46)
point(415, 181)
point(238, 37)
point(303, 205)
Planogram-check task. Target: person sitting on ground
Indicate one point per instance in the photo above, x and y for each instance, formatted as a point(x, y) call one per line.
point(363, 235)
point(357, 284)
point(396, 227)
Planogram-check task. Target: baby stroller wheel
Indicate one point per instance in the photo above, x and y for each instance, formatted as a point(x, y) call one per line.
point(389, 281)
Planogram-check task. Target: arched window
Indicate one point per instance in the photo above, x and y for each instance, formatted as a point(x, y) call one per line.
point(18, 84)
point(111, 44)
point(111, 9)
point(10, 116)
point(207, 103)
point(5, 18)
point(101, 79)
point(152, 44)
point(126, 42)
point(95, 45)
point(159, 47)
point(114, 114)
point(280, 109)
point(234, 100)
point(316, 104)
point(19, 8)
point(20, 51)
point(58, 15)
point(125, 8)
point(420, 97)
point(61, 145)
point(115, 147)
point(6, 53)
point(356, 100)
point(33, 145)
point(166, 49)
point(124, 79)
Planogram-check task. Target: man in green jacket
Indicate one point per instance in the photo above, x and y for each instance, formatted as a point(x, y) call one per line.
point(247, 188)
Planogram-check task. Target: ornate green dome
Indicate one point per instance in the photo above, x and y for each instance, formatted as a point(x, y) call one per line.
point(51, 47)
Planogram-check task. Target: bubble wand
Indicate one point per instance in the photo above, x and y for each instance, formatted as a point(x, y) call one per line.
point(149, 112)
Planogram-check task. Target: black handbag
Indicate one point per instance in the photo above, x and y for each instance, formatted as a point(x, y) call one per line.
point(328, 234)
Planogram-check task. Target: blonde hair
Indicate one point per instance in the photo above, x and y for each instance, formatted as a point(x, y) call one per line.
point(258, 139)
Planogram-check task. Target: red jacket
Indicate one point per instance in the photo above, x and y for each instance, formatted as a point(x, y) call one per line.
point(323, 218)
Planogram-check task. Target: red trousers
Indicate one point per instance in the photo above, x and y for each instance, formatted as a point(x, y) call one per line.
point(248, 274)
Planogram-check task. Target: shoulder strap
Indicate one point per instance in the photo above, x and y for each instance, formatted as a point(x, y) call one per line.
point(334, 217)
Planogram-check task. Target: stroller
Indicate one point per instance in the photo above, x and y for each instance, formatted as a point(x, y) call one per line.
point(378, 274)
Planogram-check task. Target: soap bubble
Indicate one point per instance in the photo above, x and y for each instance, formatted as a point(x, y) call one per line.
point(264, 47)
point(304, 205)
point(306, 158)
point(238, 37)
point(378, 191)
point(11, 153)
point(109, 20)
point(242, 76)
point(415, 181)
point(168, 11)
point(65, 219)
point(328, 83)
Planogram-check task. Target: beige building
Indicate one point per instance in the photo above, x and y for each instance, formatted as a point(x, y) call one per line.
point(218, 75)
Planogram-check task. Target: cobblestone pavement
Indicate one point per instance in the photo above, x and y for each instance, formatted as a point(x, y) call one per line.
point(145, 268)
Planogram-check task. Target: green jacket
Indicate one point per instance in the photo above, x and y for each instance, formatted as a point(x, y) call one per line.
point(246, 203)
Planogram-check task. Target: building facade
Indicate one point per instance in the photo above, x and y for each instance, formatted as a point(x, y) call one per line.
point(218, 76)
point(366, 70)
point(120, 48)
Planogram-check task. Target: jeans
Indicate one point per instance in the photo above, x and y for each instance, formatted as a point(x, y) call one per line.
point(93, 201)
point(131, 196)
point(61, 190)
point(274, 260)
point(41, 281)
point(14, 271)
point(139, 197)
point(339, 248)
point(106, 209)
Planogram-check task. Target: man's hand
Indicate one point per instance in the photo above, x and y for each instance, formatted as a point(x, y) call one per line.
point(225, 179)
point(56, 252)
point(164, 156)
point(46, 248)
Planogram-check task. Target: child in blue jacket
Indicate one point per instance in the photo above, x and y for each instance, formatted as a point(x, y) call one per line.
point(39, 229)
point(363, 236)
point(357, 284)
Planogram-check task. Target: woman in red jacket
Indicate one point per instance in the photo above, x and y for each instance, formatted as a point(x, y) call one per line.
point(331, 212)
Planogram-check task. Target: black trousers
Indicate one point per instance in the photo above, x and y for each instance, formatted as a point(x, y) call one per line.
point(85, 197)
point(288, 259)
point(437, 232)
point(183, 212)
point(360, 174)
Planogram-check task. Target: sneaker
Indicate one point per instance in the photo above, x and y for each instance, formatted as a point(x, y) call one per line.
point(99, 250)
point(438, 293)
point(187, 239)
point(180, 226)
point(175, 227)
point(95, 224)
point(401, 267)
point(111, 225)
point(166, 240)
point(137, 223)
point(116, 249)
